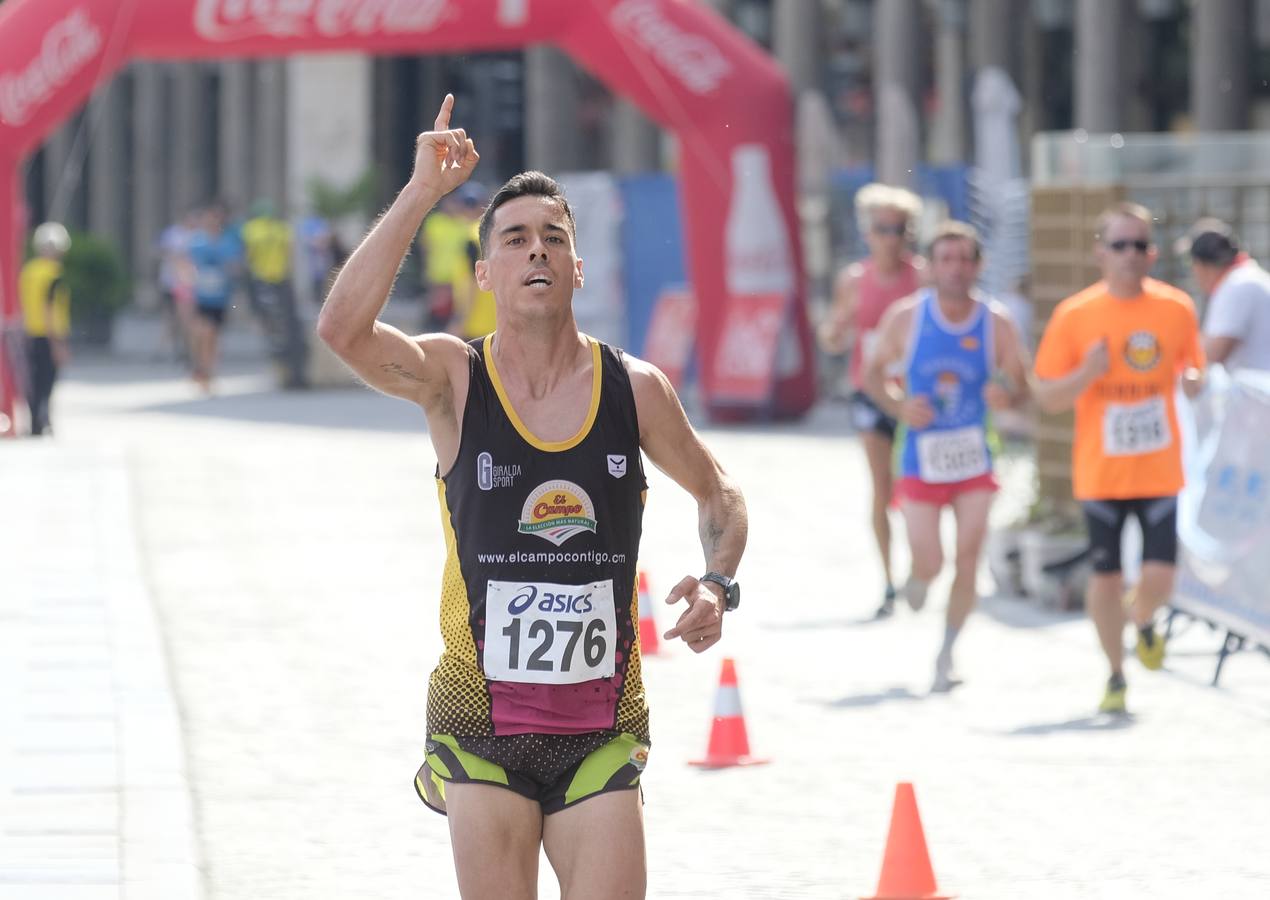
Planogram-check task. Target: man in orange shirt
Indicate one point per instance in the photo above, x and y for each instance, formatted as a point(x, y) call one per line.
point(1115, 351)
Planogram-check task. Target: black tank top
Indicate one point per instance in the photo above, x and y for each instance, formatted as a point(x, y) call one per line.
point(539, 608)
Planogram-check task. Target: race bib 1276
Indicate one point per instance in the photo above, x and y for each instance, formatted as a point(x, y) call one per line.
point(542, 633)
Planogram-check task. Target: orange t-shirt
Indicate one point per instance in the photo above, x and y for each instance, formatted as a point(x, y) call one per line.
point(1127, 441)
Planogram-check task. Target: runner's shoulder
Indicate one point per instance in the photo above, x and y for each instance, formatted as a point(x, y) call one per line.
point(656, 401)
point(645, 377)
point(1095, 292)
point(1163, 291)
point(448, 350)
point(902, 310)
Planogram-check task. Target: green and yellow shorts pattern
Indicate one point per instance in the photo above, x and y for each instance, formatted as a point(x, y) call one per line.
point(555, 771)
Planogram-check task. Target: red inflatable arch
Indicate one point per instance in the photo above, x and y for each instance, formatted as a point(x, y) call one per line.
point(677, 60)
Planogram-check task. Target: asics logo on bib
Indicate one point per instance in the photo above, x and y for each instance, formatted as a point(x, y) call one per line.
point(543, 633)
point(550, 602)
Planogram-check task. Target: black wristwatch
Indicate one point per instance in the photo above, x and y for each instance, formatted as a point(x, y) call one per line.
point(731, 589)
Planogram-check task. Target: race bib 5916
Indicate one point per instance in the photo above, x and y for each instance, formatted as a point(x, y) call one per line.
point(1129, 429)
point(954, 455)
point(543, 633)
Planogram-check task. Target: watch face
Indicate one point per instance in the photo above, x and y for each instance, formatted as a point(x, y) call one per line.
point(733, 596)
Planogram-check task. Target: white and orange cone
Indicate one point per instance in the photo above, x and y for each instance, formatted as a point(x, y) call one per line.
point(649, 642)
point(729, 745)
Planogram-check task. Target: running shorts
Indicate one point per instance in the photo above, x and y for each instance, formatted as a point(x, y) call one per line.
point(555, 770)
point(868, 416)
point(1106, 518)
point(919, 491)
point(213, 314)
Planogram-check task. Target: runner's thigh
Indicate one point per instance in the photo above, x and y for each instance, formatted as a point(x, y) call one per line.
point(495, 836)
point(597, 847)
point(971, 512)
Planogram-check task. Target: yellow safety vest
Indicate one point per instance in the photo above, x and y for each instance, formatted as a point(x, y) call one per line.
point(268, 243)
point(478, 319)
point(444, 241)
point(40, 283)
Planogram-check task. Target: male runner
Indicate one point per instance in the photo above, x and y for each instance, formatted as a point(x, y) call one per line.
point(1115, 351)
point(863, 291)
point(961, 356)
point(537, 721)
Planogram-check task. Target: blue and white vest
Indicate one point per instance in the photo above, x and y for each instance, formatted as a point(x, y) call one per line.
point(951, 365)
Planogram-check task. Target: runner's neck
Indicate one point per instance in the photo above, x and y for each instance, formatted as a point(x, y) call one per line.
point(955, 308)
point(539, 361)
point(1125, 290)
point(889, 268)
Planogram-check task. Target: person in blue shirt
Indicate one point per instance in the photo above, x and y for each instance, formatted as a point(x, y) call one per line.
point(946, 356)
point(216, 254)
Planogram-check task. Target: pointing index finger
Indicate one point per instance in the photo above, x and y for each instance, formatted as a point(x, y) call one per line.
point(443, 117)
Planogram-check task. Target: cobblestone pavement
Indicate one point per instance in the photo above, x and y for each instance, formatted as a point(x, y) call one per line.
point(290, 547)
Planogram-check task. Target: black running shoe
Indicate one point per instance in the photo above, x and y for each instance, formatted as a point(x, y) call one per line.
point(888, 605)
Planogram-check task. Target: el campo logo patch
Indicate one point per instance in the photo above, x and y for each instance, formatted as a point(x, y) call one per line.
point(1142, 351)
point(556, 511)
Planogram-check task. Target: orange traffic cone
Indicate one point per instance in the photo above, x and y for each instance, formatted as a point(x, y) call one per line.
point(649, 643)
point(729, 745)
point(906, 868)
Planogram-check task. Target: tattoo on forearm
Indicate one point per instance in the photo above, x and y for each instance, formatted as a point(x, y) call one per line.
point(396, 369)
point(711, 535)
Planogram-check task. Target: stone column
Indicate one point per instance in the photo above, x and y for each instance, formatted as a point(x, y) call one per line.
point(235, 118)
point(328, 123)
point(551, 103)
point(1220, 61)
point(636, 140)
point(798, 42)
point(149, 158)
point(270, 175)
point(107, 163)
point(895, 29)
point(62, 173)
point(993, 34)
point(1100, 88)
point(190, 143)
point(948, 131)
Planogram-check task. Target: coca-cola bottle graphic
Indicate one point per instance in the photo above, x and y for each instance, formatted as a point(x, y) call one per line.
point(759, 277)
point(513, 13)
point(757, 245)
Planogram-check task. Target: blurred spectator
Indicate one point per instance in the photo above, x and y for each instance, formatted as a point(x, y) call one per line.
point(216, 253)
point(473, 306)
point(317, 240)
point(1237, 321)
point(443, 246)
point(46, 317)
point(268, 242)
point(176, 282)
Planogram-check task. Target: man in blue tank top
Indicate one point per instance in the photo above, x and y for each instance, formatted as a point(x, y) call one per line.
point(537, 722)
point(945, 358)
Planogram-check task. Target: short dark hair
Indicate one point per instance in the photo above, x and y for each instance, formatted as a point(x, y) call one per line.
point(1212, 242)
point(526, 184)
point(953, 230)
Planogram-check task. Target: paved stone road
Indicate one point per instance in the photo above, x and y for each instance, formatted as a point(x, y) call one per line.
point(291, 548)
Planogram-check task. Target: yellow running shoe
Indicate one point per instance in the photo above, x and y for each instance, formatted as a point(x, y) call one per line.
point(1113, 701)
point(1150, 653)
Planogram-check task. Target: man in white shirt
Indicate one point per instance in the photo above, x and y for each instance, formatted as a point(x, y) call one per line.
point(1237, 321)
